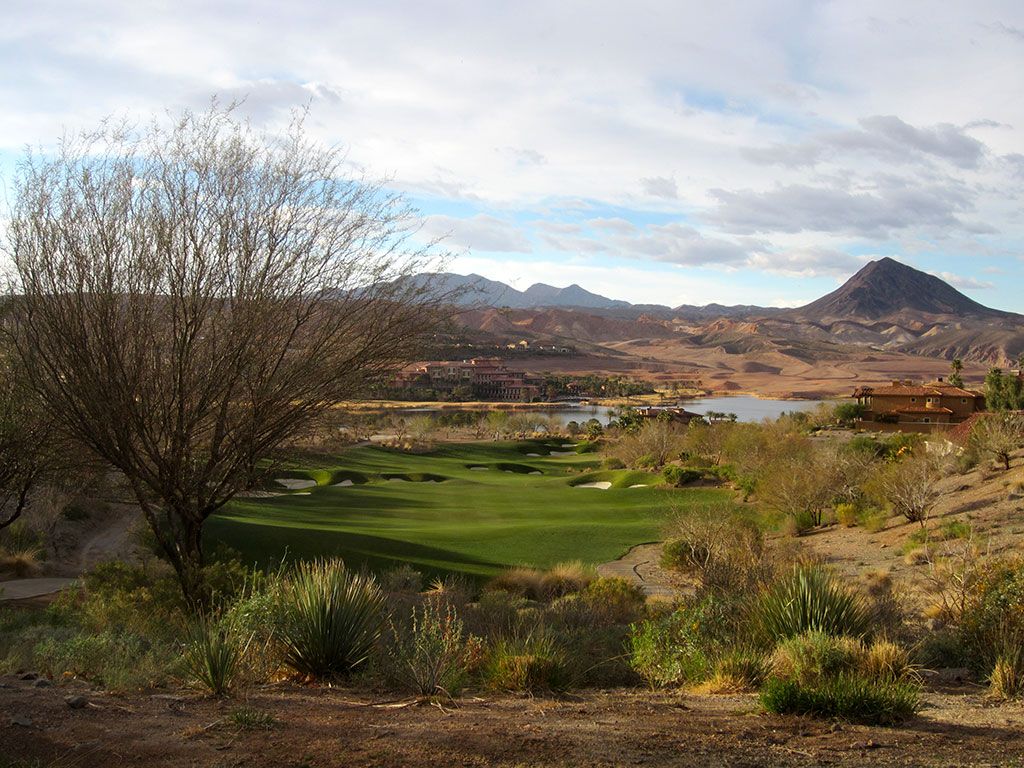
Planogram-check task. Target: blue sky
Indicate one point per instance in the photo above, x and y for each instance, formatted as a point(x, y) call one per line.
point(670, 152)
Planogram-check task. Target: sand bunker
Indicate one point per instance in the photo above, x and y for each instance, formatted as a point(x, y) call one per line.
point(533, 455)
point(562, 453)
point(535, 472)
point(294, 484)
point(480, 469)
point(604, 485)
point(344, 484)
point(640, 485)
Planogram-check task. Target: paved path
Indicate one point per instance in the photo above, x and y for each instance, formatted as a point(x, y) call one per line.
point(22, 589)
point(640, 566)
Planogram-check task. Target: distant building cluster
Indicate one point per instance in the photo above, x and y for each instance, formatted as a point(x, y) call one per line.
point(906, 406)
point(482, 378)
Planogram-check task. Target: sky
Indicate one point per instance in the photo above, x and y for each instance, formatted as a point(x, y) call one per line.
point(659, 152)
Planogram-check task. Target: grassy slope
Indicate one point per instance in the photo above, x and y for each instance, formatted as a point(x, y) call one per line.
point(475, 522)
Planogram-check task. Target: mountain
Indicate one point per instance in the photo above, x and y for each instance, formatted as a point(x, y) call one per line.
point(886, 288)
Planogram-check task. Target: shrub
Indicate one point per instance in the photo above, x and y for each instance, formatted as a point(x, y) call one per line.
point(403, 579)
point(1007, 678)
point(116, 660)
point(212, 657)
point(874, 520)
point(679, 476)
point(850, 697)
point(992, 618)
point(613, 600)
point(528, 663)
point(814, 656)
point(680, 648)
point(427, 656)
point(520, 581)
point(612, 462)
point(847, 515)
point(810, 599)
point(886, 660)
point(251, 719)
point(565, 578)
point(738, 670)
point(332, 618)
point(21, 561)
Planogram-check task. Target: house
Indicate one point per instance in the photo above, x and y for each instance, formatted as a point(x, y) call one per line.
point(678, 415)
point(485, 378)
point(904, 406)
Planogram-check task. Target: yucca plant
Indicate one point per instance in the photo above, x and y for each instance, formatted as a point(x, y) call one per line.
point(331, 619)
point(213, 657)
point(810, 599)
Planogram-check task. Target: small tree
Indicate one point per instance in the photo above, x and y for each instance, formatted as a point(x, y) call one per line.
point(25, 440)
point(908, 486)
point(999, 435)
point(956, 368)
point(189, 298)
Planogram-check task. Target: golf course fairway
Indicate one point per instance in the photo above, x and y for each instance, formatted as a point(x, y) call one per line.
point(468, 508)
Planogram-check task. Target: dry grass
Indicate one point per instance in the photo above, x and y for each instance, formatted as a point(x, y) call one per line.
point(21, 562)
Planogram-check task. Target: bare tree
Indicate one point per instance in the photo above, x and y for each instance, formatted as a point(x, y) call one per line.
point(24, 443)
point(908, 486)
point(999, 435)
point(190, 297)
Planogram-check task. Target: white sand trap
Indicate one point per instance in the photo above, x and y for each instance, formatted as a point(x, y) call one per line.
point(397, 480)
point(569, 445)
point(535, 473)
point(639, 485)
point(344, 484)
point(293, 484)
point(479, 469)
point(301, 493)
point(533, 455)
point(604, 485)
point(562, 453)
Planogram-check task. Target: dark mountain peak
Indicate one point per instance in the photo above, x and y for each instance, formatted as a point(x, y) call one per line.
point(886, 288)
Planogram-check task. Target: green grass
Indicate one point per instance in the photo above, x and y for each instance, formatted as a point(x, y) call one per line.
point(474, 523)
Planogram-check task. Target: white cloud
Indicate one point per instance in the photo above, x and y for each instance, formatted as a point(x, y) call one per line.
point(480, 233)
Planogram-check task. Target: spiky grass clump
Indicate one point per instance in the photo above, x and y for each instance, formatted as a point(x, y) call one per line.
point(519, 581)
point(20, 561)
point(739, 670)
point(213, 657)
point(251, 719)
point(810, 599)
point(1007, 678)
point(851, 697)
point(332, 618)
point(529, 663)
point(813, 656)
point(886, 660)
point(566, 578)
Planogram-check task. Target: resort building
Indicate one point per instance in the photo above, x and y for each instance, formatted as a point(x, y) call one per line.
point(482, 378)
point(909, 407)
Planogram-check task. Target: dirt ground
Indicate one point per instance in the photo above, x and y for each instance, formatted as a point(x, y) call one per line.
point(318, 727)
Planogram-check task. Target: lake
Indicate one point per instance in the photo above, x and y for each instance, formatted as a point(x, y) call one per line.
point(746, 408)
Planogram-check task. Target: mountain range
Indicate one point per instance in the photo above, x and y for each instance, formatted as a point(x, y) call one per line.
point(887, 307)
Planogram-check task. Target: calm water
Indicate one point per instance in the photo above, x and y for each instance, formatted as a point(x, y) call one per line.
point(745, 408)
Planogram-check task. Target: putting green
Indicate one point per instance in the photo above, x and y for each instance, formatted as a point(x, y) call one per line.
point(469, 508)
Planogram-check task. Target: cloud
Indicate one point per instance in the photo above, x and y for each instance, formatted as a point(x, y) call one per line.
point(884, 137)
point(479, 233)
point(892, 205)
point(614, 224)
point(805, 262)
point(966, 283)
point(660, 186)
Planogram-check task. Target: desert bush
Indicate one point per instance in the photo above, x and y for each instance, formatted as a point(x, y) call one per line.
point(886, 660)
point(724, 550)
point(884, 603)
point(428, 655)
point(530, 662)
point(810, 599)
point(613, 600)
point(998, 435)
point(847, 515)
point(495, 614)
point(117, 661)
point(738, 670)
point(663, 654)
point(332, 618)
point(565, 578)
point(850, 697)
point(908, 486)
point(652, 445)
point(992, 620)
point(520, 581)
point(213, 657)
point(20, 561)
point(814, 656)
point(874, 519)
point(612, 462)
point(1007, 678)
point(679, 476)
point(403, 579)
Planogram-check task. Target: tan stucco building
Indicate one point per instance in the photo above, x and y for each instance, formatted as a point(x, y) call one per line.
point(906, 406)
